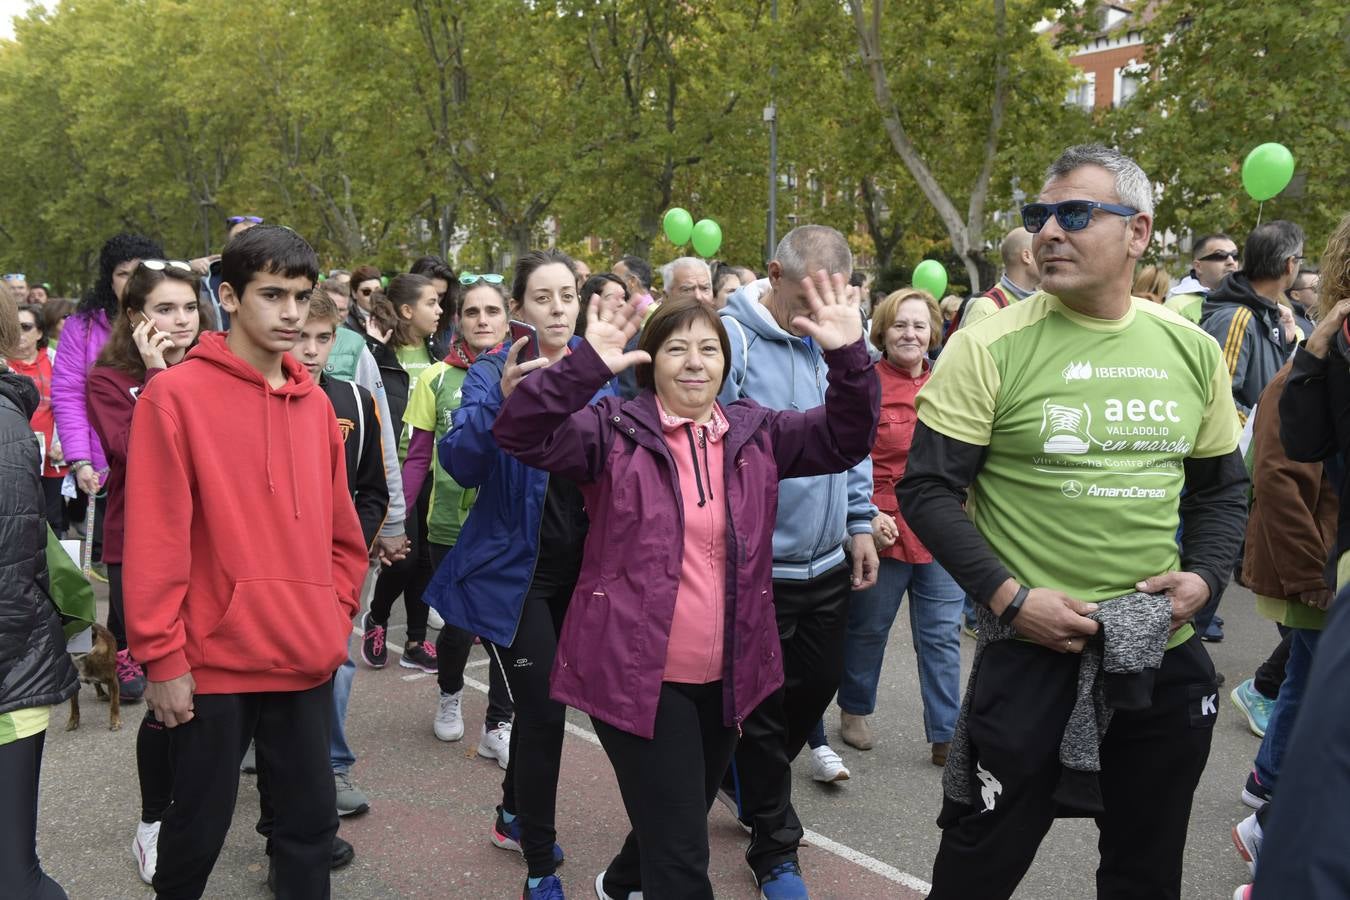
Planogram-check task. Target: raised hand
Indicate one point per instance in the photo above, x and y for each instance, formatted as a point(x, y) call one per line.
point(610, 325)
point(513, 372)
point(832, 318)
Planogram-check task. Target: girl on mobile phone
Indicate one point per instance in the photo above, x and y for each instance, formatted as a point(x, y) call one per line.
point(158, 323)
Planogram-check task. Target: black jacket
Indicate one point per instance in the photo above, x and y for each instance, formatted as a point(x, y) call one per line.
point(1247, 327)
point(35, 669)
point(396, 381)
point(359, 421)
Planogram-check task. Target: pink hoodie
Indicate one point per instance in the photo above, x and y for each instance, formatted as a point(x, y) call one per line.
point(694, 653)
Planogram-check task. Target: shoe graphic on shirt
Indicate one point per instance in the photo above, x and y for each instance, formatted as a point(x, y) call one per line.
point(1065, 428)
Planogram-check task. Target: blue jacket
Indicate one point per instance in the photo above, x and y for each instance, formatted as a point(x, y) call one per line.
point(480, 585)
point(782, 371)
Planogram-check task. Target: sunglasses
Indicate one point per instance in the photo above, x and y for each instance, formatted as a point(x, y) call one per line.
point(468, 278)
point(1072, 215)
point(159, 265)
point(235, 220)
point(15, 276)
point(1221, 255)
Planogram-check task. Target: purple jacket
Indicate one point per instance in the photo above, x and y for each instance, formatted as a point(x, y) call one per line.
point(612, 652)
point(81, 341)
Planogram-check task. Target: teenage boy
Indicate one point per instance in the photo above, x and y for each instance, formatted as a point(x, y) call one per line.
point(243, 560)
point(358, 420)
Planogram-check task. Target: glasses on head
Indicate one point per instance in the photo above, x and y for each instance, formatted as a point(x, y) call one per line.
point(27, 326)
point(15, 276)
point(159, 265)
point(1072, 215)
point(1221, 256)
point(469, 278)
point(235, 220)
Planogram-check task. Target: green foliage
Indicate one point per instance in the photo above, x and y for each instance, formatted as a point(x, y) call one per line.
point(1232, 77)
point(385, 130)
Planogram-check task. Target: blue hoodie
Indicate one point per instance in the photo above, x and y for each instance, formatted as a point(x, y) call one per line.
point(817, 513)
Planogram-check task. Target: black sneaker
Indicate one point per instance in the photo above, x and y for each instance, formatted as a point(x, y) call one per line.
point(420, 656)
point(373, 648)
point(343, 853)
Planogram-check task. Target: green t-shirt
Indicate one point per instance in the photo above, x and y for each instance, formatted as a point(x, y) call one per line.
point(1187, 305)
point(22, 723)
point(415, 360)
point(1087, 423)
point(432, 402)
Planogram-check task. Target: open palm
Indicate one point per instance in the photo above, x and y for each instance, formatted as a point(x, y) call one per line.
point(832, 318)
point(610, 325)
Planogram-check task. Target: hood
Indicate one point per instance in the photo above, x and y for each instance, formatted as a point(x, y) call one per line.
point(19, 390)
point(212, 349)
point(1188, 285)
point(1236, 288)
point(745, 307)
point(461, 355)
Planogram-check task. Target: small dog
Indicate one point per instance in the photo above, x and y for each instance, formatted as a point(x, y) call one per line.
point(99, 668)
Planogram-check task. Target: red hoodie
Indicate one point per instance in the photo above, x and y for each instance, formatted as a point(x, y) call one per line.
point(243, 553)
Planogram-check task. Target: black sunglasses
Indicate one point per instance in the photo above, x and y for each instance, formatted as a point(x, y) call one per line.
point(1221, 255)
point(235, 220)
point(1072, 215)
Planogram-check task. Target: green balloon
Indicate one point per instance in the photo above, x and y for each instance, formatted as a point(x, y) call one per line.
point(1267, 171)
point(930, 276)
point(678, 225)
point(707, 238)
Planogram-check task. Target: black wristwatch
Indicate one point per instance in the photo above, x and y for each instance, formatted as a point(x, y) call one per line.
point(1012, 609)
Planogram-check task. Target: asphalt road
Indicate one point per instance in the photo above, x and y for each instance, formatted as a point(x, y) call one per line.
point(432, 803)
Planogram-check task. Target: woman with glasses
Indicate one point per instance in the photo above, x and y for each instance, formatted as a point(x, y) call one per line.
point(403, 356)
point(81, 342)
point(365, 283)
point(33, 358)
point(159, 322)
point(511, 573)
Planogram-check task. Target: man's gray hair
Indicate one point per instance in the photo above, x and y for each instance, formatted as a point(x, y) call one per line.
point(684, 262)
point(1132, 185)
point(808, 248)
point(1269, 249)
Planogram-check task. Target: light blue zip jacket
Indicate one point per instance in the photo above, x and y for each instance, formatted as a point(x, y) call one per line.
point(782, 371)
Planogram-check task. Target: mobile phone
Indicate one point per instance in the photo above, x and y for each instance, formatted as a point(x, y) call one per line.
point(530, 350)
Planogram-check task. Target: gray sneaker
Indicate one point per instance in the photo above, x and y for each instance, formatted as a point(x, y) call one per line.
point(350, 800)
point(249, 764)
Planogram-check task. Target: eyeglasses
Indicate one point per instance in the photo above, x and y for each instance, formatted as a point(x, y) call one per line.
point(1221, 256)
point(159, 265)
point(468, 278)
point(235, 220)
point(1072, 215)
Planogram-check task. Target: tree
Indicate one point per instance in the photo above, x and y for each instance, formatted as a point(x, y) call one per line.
point(1226, 79)
point(974, 86)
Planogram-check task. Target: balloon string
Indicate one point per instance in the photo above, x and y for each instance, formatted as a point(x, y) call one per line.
point(1259, 208)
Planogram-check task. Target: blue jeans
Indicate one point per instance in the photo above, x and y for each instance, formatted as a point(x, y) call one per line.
point(341, 755)
point(1302, 645)
point(936, 604)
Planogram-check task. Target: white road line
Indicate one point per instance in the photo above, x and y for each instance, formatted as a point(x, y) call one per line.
point(815, 839)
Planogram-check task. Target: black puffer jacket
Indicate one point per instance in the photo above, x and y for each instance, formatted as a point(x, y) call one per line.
point(35, 669)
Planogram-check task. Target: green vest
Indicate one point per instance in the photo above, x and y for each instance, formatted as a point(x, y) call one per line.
point(347, 347)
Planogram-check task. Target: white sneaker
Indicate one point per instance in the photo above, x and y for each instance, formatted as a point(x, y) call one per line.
point(146, 849)
point(434, 619)
point(827, 766)
point(600, 890)
point(449, 724)
point(496, 744)
point(1247, 837)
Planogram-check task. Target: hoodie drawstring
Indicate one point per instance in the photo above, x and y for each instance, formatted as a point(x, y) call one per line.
point(693, 454)
point(267, 438)
point(290, 446)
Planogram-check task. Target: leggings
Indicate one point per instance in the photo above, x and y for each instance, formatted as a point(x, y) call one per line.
point(408, 576)
point(530, 788)
point(452, 654)
point(20, 871)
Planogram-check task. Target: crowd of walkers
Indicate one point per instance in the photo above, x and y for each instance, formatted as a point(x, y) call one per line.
point(691, 508)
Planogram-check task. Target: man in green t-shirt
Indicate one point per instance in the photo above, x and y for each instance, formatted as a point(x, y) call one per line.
point(1086, 428)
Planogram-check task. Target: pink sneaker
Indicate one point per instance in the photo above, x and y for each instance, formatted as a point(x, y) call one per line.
point(130, 676)
point(373, 649)
point(420, 656)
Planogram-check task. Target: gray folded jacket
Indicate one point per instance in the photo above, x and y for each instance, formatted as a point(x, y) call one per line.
point(1115, 671)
